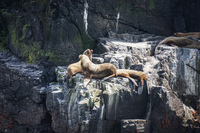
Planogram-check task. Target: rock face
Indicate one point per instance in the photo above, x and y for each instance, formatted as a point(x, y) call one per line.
point(95, 108)
point(22, 98)
point(57, 31)
point(32, 102)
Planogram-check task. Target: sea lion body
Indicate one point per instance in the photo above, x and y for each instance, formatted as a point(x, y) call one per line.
point(97, 71)
point(136, 75)
point(181, 42)
point(102, 70)
point(76, 67)
point(194, 34)
point(131, 74)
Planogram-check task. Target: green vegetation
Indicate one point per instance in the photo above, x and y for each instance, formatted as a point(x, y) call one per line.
point(129, 8)
point(53, 57)
point(151, 4)
point(85, 41)
point(56, 56)
point(29, 50)
point(24, 30)
point(43, 2)
point(125, 7)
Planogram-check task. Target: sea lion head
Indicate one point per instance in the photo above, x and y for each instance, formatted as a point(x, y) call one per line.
point(88, 52)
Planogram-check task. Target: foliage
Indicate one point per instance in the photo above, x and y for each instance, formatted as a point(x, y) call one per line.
point(30, 50)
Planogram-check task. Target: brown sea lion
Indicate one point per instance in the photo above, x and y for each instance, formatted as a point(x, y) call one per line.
point(181, 42)
point(194, 34)
point(97, 71)
point(131, 74)
point(76, 67)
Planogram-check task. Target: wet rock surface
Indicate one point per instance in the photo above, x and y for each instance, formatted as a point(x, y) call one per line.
point(32, 101)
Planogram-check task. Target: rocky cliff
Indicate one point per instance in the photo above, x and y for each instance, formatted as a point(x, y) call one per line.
point(56, 31)
point(33, 99)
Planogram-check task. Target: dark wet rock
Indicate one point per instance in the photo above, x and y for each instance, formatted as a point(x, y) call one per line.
point(21, 95)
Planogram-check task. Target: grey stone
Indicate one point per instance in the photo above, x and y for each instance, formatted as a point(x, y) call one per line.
point(97, 60)
point(135, 125)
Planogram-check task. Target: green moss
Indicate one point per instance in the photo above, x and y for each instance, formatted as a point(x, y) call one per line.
point(6, 14)
point(24, 30)
point(33, 52)
point(52, 57)
point(29, 50)
point(13, 34)
point(125, 7)
point(44, 2)
point(151, 4)
point(78, 39)
point(85, 41)
point(56, 57)
point(129, 8)
point(118, 7)
point(138, 10)
point(33, 2)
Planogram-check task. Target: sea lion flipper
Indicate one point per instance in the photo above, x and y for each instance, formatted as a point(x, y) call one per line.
point(86, 81)
point(105, 78)
point(133, 80)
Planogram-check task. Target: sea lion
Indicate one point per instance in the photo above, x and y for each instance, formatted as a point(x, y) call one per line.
point(97, 71)
point(76, 67)
point(181, 42)
point(132, 74)
point(194, 34)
